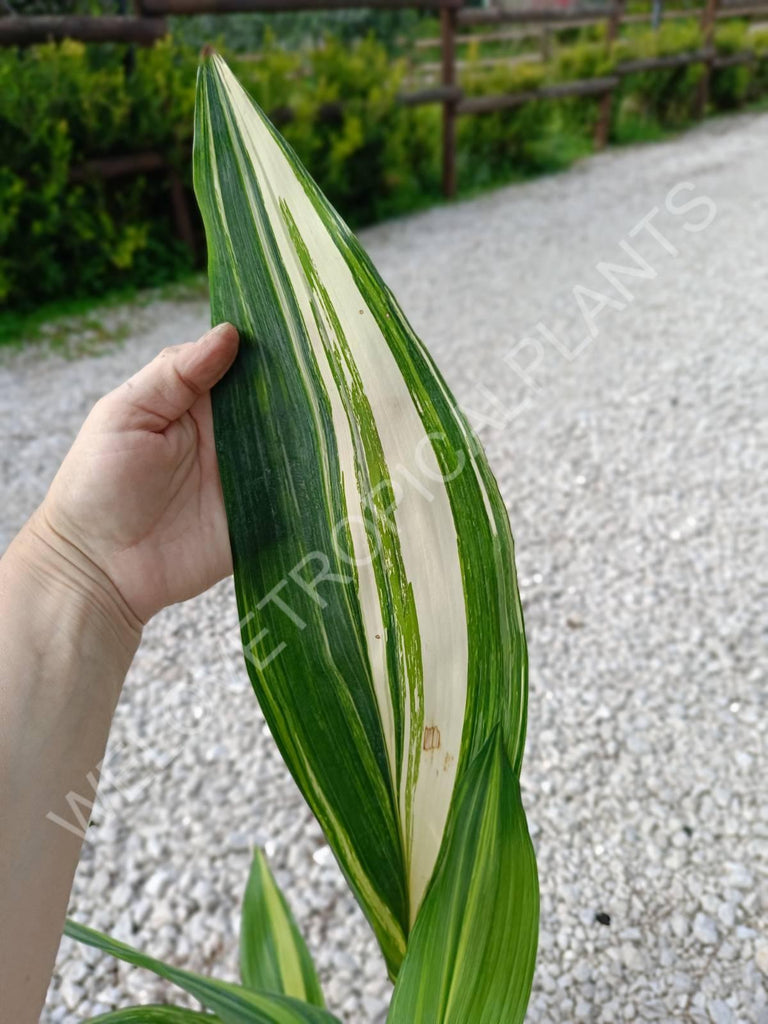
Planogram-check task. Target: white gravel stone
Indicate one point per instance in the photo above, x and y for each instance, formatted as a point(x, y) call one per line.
point(635, 474)
point(157, 883)
point(739, 877)
point(74, 971)
point(632, 957)
point(720, 1012)
point(705, 930)
point(680, 925)
point(727, 914)
point(71, 993)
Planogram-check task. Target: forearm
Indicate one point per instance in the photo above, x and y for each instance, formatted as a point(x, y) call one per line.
point(66, 641)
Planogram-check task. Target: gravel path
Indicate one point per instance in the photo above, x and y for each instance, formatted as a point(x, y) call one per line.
point(635, 475)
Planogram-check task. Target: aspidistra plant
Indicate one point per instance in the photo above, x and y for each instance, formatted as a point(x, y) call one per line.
point(375, 580)
point(374, 563)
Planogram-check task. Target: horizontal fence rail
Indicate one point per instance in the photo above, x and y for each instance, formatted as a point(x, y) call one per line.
point(24, 30)
point(501, 16)
point(579, 19)
point(556, 91)
point(275, 6)
point(119, 166)
point(149, 24)
point(673, 60)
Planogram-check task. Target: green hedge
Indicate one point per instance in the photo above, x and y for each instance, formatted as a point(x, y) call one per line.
point(63, 105)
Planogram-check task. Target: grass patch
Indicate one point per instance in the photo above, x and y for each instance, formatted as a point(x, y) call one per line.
point(80, 326)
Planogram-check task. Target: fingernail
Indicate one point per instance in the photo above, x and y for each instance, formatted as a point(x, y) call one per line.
point(217, 330)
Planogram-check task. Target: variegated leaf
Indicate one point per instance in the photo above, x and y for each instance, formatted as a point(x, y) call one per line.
point(373, 557)
point(472, 951)
point(273, 954)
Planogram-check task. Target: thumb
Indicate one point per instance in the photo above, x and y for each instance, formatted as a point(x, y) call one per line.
point(167, 387)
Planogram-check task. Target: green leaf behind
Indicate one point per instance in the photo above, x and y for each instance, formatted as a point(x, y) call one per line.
point(472, 951)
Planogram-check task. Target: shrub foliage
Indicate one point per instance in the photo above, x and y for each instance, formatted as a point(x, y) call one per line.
point(64, 105)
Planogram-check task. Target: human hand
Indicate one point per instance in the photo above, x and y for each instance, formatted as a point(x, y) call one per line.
point(137, 502)
point(134, 520)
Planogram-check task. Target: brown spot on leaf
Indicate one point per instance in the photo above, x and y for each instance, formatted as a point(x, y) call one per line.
point(431, 738)
point(447, 762)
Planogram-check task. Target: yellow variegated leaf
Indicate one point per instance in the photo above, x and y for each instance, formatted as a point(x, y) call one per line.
point(273, 955)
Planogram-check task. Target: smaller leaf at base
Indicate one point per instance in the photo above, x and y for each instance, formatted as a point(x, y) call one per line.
point(232, 1003)
point(273, 954)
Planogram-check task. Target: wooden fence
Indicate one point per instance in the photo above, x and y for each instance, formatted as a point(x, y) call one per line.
point(149, 24)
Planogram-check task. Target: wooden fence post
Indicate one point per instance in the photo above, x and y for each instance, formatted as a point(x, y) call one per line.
point(182, 211)
point(448, 42)
point(182, 214)
point(708, 20)
point(545, 41)
point(603, 126)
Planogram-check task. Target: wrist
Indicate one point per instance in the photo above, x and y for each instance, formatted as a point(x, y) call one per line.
point(75, 593)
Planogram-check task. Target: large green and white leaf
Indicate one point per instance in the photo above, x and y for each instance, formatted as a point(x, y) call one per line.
point(373, 558)
point(154, 1015)
point(273, 954)
point(231, 1003)
point(472, 951)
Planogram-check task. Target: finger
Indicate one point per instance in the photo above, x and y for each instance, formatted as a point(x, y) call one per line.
point(167, 387)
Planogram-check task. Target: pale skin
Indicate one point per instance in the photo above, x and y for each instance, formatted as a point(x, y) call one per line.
point(133, 521)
